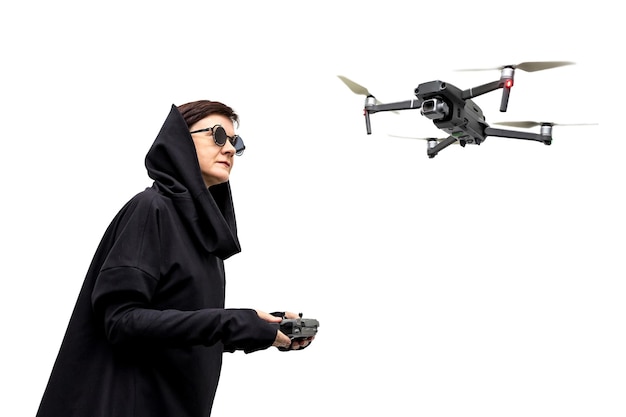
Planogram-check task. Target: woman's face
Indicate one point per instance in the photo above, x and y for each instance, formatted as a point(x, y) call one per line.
point(215, 161)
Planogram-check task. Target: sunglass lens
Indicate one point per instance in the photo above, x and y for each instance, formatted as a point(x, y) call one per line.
point(238, 144)
point(219, 134)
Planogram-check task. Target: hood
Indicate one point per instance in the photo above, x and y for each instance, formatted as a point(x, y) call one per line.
point(207, 212)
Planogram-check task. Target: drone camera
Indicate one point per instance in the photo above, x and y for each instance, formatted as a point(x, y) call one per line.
point(434, 108)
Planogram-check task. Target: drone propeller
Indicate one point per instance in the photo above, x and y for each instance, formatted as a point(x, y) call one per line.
point(530, 123)
point(530, 66)
point(432, 141)
point(356, 88)
point(417, 138)
point(359, 89)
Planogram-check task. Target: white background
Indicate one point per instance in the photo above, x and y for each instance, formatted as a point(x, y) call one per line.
point(487, 281)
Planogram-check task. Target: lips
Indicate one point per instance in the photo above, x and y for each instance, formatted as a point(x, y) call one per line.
point(224, 163)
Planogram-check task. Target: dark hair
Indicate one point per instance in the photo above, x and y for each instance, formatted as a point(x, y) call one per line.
point(197, 110)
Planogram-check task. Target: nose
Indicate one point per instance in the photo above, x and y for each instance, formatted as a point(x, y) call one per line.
point(228, 148)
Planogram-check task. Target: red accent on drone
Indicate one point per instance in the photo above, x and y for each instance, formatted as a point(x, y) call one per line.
point(508, 83)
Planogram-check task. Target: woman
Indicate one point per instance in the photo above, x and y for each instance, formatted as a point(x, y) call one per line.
point(148, 331)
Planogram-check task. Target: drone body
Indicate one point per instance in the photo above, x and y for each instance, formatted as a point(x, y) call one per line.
point(453, 111)
point(460, 118)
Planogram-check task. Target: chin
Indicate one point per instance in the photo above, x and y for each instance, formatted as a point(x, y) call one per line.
point(215, 180)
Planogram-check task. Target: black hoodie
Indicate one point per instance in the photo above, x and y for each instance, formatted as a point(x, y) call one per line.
point(149, 327)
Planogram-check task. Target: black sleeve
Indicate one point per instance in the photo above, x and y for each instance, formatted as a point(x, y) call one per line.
point(128, 318)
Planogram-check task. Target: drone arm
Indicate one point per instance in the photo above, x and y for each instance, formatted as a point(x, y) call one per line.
point(505, 84)
point(506, 91)
point(375, 108)
point(481, 89)
point(432, 152)
point(400, 105)
point(368, 126)
point(514, 134)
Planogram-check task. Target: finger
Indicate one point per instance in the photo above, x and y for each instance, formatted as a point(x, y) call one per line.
point(299, 344)
point(268, 317)
point(282, 340)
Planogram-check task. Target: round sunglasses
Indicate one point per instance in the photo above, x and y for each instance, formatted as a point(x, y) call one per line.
point(220, 137)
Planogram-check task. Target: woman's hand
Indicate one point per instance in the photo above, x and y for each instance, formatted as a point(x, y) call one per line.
point(282, 340)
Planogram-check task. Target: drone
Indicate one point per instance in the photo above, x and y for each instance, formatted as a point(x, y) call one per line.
point(453, 111)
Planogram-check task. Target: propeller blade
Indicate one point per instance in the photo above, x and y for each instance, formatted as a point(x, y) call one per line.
point(359, 89)
point(541, 65)
point(522, 124)
point(356, 88)
point(418, 138)
point(478, 69)
point(530, 66)
point(529, 124)
point(412, 137)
